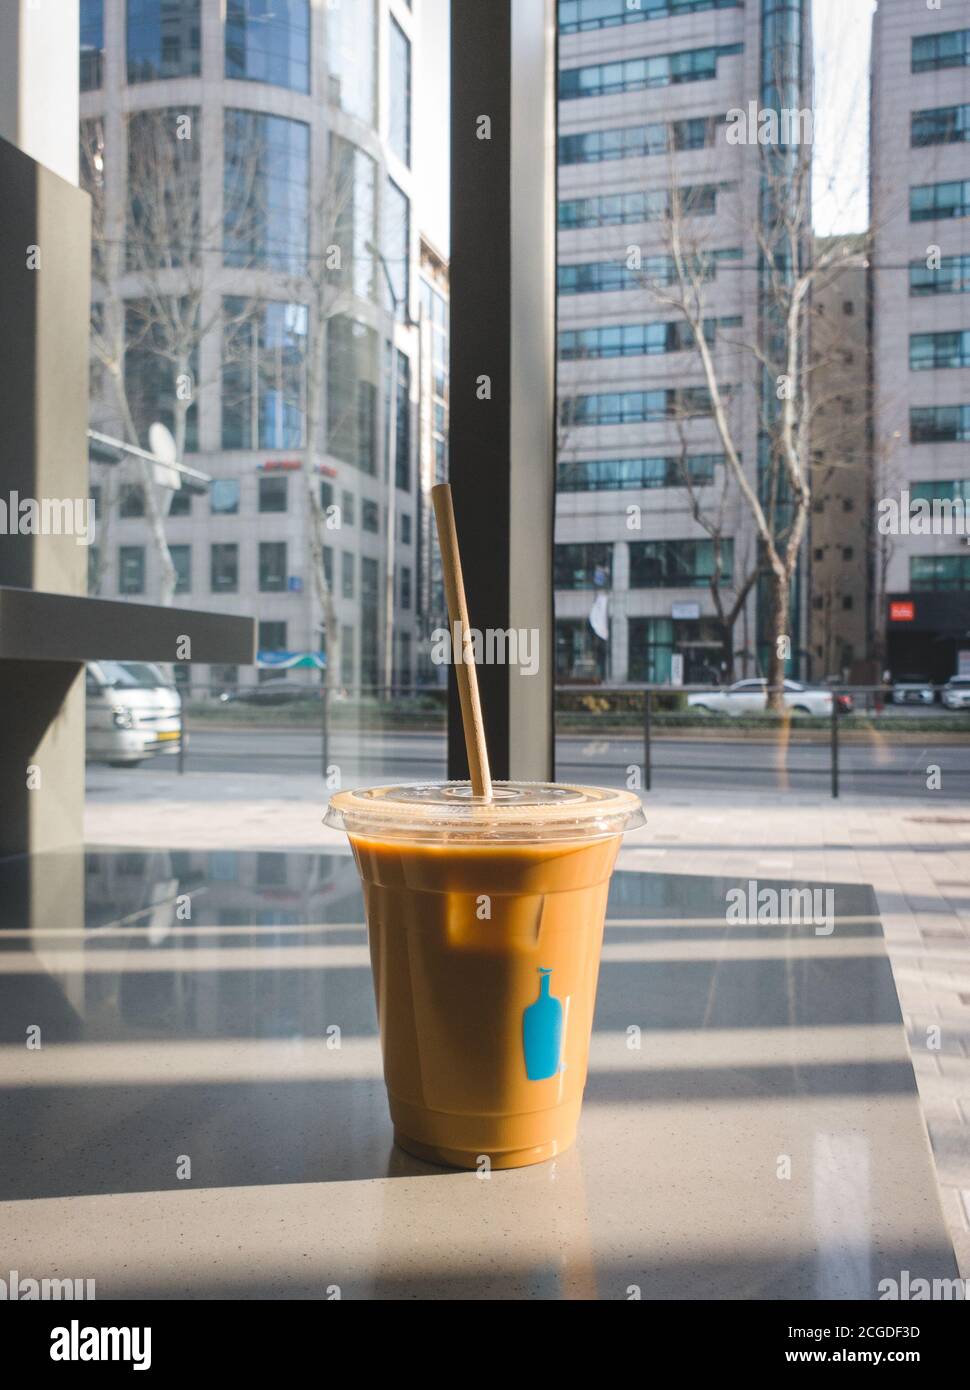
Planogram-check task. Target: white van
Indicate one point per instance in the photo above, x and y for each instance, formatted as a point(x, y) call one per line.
point(133, 712)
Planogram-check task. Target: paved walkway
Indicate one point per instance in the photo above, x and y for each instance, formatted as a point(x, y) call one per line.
point(915, 854)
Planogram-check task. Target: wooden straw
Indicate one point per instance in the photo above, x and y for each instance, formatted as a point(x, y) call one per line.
point(471, 709)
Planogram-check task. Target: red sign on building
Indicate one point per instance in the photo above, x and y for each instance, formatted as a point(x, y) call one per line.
point(902, 612)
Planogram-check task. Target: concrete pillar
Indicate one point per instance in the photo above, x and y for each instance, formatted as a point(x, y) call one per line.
point(39, 58)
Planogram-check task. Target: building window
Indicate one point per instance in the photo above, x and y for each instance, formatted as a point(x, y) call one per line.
point(650, 205)
point(131, 500)
point(272, 494)
point(399, 114)
point(351, 50)
point(635, 339)
point(349, 510)
point(678, 564)
point(848, 308)
point(224, 569)
point(934, 351)
point(347, 574)
point(847, 552)
point(272, 637)
point(638, 74)
point(269, 41)
point(605, 277)
point(405, 587)
point(224, 497)
point(354, 177)
point(953, 276)
point(150, 373)
point(942, 491)
point(620, 475)
point(164, 199)
point(164, 39)
point(368, 621)
point(639, 141)
point(131, 569)
point(92, 44)
point(580, 654)
point(939, 424)
point(583, 565)
point(263, 374)
point(369, 516)
point(326, 495)
point(181, 503)
point(402, 432)
point(931, 52)
point(405, 528)
point(847, 603)
point(576, 16)
point(639, 407)
point(939, 573)
point(929, 202)
point(397, 248)
point(940, 125)
point(266, 191)
point(352, 368)
point(182, 560)
point(272, 567)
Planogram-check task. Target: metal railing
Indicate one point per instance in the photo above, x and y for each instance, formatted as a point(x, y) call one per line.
point(648, 718)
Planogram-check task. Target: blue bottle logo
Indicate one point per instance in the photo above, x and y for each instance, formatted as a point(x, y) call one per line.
point(542, 1032)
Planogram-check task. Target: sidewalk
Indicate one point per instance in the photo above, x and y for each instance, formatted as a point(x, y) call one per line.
point(914, 853)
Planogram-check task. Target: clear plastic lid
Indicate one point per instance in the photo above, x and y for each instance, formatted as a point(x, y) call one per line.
point(519, 812)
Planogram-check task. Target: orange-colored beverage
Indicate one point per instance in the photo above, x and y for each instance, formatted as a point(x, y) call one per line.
point(485, 923)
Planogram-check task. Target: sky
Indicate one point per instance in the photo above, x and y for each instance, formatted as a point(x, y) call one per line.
point(842, 32)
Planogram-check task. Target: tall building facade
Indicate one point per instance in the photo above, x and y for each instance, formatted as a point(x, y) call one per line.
point(432, 451)
point(644, 92)
point(251, 162)
point(920, 187)
point(839, 569)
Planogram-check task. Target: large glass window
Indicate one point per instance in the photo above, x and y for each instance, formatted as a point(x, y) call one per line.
point(399, 114)
point(266, 191)
point(653, 205)
point(224, 568)
point(587, 565)
point(352, 57)
point(182, 561)
point(638, 141)
point(152, 375)
point(686, 564)
point(164, 189)
point(402, 434)
point(354, 181)
point(92, 44)
point(263, 374)
point(352, 367)
point(269, 41)
point(369, 601)
point(164, 39)
point(604, 277)
point(634, 474)
point(637, 407)
point(131, 569)
point(635, 339)
point(224, 497)
point(273, 493)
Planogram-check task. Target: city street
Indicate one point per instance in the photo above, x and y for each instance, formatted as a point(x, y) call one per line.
point(877, 768)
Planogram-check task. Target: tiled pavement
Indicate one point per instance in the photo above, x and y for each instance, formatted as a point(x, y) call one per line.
point(914, 853)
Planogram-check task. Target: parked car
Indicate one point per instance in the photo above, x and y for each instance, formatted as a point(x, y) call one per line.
point(956, 692)
point(748, 697)
point(133, 712)
point(913, 690)
point(275, 690)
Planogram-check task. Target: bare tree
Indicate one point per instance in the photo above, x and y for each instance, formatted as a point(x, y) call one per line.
point(153, 265)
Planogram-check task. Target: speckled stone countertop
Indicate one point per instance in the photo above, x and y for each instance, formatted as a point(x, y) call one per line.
point(187, 1127)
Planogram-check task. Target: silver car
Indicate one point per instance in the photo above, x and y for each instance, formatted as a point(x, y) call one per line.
point(956, 693)
point(913, 690)
point(133, 712)
point(748, 697)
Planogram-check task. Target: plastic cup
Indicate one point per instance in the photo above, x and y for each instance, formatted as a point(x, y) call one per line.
point(485, 921)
